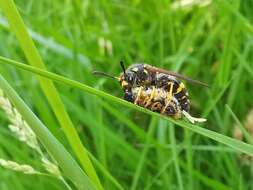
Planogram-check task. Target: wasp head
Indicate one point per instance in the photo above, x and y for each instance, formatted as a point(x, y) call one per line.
point(135, 75)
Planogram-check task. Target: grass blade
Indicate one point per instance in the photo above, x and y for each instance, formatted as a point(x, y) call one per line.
point(237, 145)
point(52, 45)
point(247, 135)
point(68, 165)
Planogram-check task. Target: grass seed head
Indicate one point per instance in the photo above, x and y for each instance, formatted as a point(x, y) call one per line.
point(24, 168)
point(25, 134)
point(51, 167)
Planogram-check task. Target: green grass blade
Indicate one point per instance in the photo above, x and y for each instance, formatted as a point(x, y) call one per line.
point(144, 153)
point(175, 157)
point(209, 182)
point(160, 172)
point(238, 145)
point(161, 155)
point(124, 119)
point(68, 165)
point(105, 172)
point(52, 45)
point(33, 57)
point(244, 62)
point(247, 135)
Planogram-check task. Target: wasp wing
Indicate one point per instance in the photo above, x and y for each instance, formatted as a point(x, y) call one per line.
point(159, 70)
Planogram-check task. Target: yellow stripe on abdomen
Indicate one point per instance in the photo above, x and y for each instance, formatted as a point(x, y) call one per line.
point(180, 88)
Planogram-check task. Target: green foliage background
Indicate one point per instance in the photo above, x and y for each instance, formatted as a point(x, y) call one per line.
point(212, 43)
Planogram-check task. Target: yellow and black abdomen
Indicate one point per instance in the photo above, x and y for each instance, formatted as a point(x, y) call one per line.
point(175, 88)
point(156, 100)
point(181, 94)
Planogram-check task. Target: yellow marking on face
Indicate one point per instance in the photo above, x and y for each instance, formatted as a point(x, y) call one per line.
point(124, 83)
point(135, 69)
point(145, 71)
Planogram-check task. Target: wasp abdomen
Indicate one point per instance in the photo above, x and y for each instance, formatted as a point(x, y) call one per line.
point(177, 88)
point(183, 97)
point(157, 100)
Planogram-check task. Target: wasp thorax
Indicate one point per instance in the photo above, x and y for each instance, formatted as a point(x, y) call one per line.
point(162, 80)
point(141, 73)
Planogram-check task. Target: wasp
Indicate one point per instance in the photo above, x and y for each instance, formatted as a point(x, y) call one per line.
point(156, 89)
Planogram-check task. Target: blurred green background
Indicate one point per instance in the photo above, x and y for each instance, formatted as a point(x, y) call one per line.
point(208, 40)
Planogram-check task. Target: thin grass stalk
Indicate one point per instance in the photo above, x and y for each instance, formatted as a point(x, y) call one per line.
point(18, 27)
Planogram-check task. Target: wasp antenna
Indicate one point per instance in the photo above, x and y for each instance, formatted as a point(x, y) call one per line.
point(123, 66)
point(99, 73)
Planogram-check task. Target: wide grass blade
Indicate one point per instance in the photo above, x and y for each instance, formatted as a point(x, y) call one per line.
point(68, 165)
point(236, 144)
point(18, 27)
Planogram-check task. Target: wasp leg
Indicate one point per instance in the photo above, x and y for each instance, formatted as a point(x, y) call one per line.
point(157, 106)
point(193, 119)
point(153, 93)
point(138, 95)
point(169, 97)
